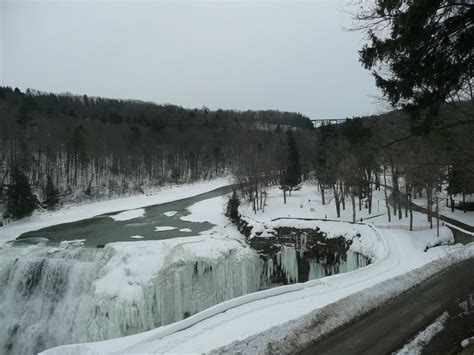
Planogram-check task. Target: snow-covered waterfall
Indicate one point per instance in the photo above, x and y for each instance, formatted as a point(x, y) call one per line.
point(51, 296)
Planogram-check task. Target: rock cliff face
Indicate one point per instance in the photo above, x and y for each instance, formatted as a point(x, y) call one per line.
point(298, 255)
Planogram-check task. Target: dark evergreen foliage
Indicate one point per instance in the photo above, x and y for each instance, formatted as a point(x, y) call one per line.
point(421, 54)
point(51, 194)
point(25, 118)
point(232, 209)
point(20, 200)
point(292, 176)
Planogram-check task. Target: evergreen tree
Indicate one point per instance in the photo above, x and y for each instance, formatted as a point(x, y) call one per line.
point(21, 201)
point(292, 175)
point(51, 194)
point(420, 53)
point(79, 145)
point(232, 210)
point(25, 119)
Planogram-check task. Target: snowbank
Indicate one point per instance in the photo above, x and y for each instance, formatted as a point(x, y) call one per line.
point(416, 345)
point(299, 333)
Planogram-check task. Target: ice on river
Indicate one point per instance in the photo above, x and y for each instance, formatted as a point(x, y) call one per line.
point(164, 228)
point(130, 214)
point(170, 213)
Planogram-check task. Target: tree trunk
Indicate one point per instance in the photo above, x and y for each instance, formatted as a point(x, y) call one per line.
point(407, 202)
point(429, 195)
point(411, 212)
point(342, 196)
point(353, 208)
point(337, 201)
point(387, 205)
point(369, 195)
point(437, 216)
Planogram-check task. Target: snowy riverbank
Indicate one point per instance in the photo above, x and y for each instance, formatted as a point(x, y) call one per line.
point(41, 219)
point(282, 316)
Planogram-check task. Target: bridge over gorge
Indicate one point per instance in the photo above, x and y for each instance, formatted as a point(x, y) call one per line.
point(327, 121)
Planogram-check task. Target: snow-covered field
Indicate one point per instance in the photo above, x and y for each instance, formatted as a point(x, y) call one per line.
point(286, 315)
point(307, 203)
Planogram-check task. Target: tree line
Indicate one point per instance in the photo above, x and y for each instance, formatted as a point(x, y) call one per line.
point(70, 147)
point(349, 161)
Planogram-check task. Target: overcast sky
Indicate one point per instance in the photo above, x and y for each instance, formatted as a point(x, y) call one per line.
point(293, 56)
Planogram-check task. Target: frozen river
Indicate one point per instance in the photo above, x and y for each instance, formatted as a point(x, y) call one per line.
point(150, 223)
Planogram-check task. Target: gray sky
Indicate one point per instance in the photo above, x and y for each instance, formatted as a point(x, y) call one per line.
point(292, 56)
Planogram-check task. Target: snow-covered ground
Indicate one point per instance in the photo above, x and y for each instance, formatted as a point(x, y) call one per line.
point(133, 206)
point(307, 203)
point(285, 316)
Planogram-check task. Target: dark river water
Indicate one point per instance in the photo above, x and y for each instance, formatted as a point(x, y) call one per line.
point(102, 229)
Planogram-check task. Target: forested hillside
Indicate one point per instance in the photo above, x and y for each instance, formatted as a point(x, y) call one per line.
point(65, 147)
point(77, 146)
point(354, 158)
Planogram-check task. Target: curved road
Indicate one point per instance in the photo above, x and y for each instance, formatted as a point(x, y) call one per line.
point(423, 210)
point(389, 327)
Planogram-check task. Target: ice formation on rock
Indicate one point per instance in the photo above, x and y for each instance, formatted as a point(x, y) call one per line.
point(288, 261)
point(51, 298)
point(321, 268)
point(71, 293)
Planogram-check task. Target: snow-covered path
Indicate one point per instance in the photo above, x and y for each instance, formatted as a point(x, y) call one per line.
point(268, 316)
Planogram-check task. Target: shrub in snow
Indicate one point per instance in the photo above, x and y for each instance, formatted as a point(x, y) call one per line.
point(232, 210)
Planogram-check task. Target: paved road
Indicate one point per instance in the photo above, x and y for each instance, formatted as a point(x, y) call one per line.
point(100, 230)
point(388, 328)
point(420, 209)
